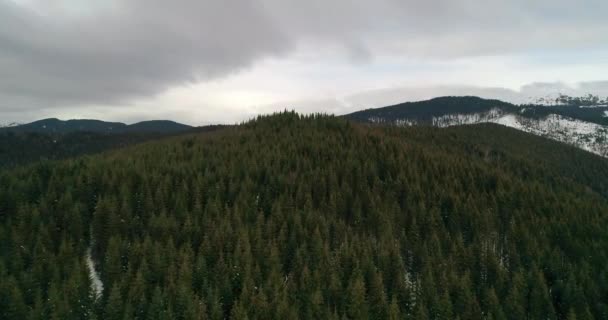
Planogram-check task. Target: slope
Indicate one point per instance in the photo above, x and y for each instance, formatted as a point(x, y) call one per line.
point(291, 217)
point(21, 148)
point(425, 111)
point(583, 126)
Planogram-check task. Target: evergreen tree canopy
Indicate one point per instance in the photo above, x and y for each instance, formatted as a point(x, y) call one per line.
point(310, 217)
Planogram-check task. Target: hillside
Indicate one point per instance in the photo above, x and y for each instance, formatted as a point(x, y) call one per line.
point(584, 126)
point(56, 126)
point(291, 217)
point(21, 148)
point(18, 149)
point(426, 111)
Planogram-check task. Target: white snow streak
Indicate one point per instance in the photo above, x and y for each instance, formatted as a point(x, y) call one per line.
point(585, 135)
point(96, 283)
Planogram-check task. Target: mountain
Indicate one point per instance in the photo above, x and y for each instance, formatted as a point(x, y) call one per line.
point(158, 126)
point(310, 217)
point(426, 111)
point(56, 126)
point(584, 126)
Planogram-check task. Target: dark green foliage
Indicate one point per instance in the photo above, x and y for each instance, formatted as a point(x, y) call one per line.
point(19, 147)
point(22, 148)
point(291, 217)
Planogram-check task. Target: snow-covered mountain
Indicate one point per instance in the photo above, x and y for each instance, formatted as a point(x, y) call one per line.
point(585, 135)
point(10, 125)
point(581, 126)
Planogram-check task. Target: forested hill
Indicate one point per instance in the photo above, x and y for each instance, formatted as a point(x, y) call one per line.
point(425, 111)
point(20, 148)
point(56, 126)
point(291, 217)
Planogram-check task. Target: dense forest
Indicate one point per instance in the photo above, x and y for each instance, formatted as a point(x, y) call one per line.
point(310, 217)
point(19, 146)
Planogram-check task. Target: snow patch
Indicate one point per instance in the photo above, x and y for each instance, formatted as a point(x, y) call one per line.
point(509, 120)
point(449, 120)
point(585, 135)
point(96, 284)
point(376, 120)
point(406, 122)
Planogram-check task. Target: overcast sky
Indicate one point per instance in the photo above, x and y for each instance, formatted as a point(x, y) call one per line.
point(223, 61)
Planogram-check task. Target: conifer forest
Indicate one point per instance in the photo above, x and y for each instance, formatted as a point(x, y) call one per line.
point(289, 216)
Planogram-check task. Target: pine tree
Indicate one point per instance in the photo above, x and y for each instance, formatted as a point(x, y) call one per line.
point(377, 297)
point(356, 297)
point(493, 305)
point(14, 306)
point(393, 312)
point(540, 305)
point(114, 305)
point(156, 308)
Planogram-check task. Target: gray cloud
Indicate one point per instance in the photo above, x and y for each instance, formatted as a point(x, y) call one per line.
point(138, 51)
point(50, 56)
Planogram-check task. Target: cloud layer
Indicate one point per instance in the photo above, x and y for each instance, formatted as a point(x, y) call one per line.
point(59, 53)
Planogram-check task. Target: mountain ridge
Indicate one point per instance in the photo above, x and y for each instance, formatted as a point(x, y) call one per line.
point(57, 126)
point(579, 125)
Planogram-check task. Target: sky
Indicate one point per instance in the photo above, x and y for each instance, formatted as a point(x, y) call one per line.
point(224, 61)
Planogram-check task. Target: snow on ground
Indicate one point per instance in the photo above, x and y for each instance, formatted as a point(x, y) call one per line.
point(376, 119)
point(406, 122)
point(509, 120)
point(471, 118)
point(585, 135)
point(96, 283)
point(605, 113)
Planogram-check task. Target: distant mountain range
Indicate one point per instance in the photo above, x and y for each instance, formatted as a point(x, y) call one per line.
point(584, 126)
point(582, 122)
point(56, 126)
